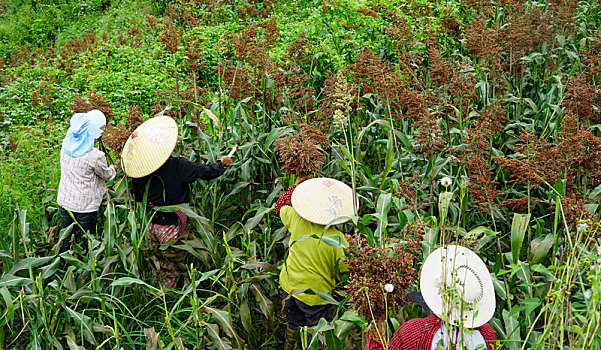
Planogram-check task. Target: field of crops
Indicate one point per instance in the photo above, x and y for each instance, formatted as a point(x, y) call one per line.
point(471, 122)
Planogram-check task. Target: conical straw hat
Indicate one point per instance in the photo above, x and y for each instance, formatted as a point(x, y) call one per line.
point(456, 268)
point(149, 146)
point(323, 201)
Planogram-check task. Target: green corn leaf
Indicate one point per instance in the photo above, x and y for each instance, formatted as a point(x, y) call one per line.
point(213, 333)
point(512, 329)
point(261, 264)
point(273, 135)
point(344, 166)
point(255, 220)
point(74, 261)
point(559, 187)
point(224, 319)
point(518, 232)
point(523, 274)
point(540, 247)
point(531, 305)
point(430, 240)
point(347, 321)
point(388, 162)
point(8, 304)
point(265, 305)
point(361, 134)
point(84, 323)
point(14, 281)
point(16, 242)
point(238, 188)
point(125, 281)
point(34, 342)
point(71, 342)
point(497, 326)
point(322, 326)
point(199, 253)
point(50, 270)
point(327, 297)
point(444, 201)
point(245, 316)
point(382, 207)
point(32, 262)
point(184, 208)
point(596, 193)
point(499, 287)
point(332, 341)
point(334, 241)
point(109, 225)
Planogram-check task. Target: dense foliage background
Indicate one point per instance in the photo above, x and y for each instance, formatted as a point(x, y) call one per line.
point(500, 96)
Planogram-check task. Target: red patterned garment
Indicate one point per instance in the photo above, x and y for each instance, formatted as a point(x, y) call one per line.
point(285, 199)
point(168, 271)
point(417, 334)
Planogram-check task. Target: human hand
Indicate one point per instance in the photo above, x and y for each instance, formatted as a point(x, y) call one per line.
point(227, 161)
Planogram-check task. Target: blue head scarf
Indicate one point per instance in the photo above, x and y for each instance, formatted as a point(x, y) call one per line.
point(83, 130)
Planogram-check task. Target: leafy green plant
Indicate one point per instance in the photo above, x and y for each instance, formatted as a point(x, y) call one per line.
point(26, 187)
point(495, 96)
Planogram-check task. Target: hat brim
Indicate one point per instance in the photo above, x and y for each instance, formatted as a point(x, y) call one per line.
point(435, 269)
point(149, 146)
point(324, 201)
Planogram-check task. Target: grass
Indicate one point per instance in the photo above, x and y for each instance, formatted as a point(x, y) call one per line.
point(545, 271)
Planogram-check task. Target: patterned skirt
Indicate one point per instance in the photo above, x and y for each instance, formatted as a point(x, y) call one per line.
point(167, 271)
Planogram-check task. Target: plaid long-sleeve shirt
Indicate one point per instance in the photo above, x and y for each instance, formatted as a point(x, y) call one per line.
point(418, 334)
point(82, 186)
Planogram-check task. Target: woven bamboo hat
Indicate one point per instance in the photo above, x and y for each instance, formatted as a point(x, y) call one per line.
point(323, 201)
point(149, 146)
point(456, 268)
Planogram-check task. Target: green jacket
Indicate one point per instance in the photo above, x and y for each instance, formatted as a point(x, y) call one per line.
point(311, 263)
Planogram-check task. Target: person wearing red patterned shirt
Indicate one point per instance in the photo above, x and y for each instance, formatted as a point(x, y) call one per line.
point(467, 312)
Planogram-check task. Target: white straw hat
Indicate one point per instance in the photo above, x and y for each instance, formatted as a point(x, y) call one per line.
point(323, 201)
point(149, 146)
point(457, 268)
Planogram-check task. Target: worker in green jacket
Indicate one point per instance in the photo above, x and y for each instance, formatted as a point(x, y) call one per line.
point(305, 209)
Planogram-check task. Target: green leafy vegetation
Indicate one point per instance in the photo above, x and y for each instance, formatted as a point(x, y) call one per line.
point(501, 99)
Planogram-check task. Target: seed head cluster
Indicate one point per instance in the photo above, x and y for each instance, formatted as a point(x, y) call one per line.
point(376, 273)
point(302, 153)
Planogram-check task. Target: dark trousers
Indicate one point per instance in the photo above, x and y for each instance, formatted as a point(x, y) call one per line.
point(87, 221)
point(299, 314)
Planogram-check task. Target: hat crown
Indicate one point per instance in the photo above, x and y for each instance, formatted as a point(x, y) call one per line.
point(149, 146)
point(468, 284)
point(458, 271)
point(324, 201)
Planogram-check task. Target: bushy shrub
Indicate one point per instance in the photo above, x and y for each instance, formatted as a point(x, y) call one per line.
point(29, 170)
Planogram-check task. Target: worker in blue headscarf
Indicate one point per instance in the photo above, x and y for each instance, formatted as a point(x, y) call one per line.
point(84, 171)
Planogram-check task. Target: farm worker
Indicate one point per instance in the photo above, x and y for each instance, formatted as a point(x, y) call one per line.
point(84, 171)
point(447, 269)
point(305, 209)
point(146, 157)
